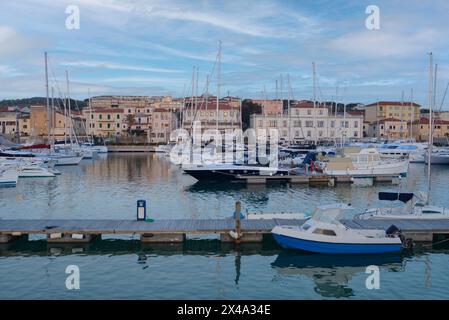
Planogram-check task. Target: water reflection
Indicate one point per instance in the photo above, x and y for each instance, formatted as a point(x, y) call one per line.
point(332, 274)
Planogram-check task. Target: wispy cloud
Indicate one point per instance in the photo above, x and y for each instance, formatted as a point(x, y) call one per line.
point(116, 66)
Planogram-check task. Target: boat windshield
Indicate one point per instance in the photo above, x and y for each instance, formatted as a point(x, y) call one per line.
point(332, 213)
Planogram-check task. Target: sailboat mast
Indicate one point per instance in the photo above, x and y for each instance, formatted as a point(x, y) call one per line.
point(218, 79)
point(68, 106)
point(412, 114)
point(402, 113)
point(314, 102)
point(429, 149)
point(52, 116)
point(47, 95)
point(289, 109)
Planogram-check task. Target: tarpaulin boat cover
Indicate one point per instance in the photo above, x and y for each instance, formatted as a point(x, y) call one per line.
point(392, 196)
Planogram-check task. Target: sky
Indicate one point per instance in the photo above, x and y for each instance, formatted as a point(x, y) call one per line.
point(150, 47)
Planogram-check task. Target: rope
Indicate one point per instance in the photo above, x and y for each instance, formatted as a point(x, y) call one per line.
point(436, 243)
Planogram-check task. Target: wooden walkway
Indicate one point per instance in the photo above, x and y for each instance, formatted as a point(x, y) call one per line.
point(174, 230)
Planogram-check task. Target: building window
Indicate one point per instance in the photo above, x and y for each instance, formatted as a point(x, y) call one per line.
point(284, 133)
point(309, 112)
point(356, 124)
point(100, 116)
point(320, 124)
point(118, 125)
point(260, 123)
point(309, 133)
point(356, 133)
point(100, 125)
point(332, 124)
point(109, 117)
point(285, 123)
point(109, 125)
point(309, 124)
point(297, 123)
point(118, 116)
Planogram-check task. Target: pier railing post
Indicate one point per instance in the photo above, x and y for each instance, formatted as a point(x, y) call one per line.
point(237, 221)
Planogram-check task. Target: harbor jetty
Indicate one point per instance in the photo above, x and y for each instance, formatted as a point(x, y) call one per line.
point(175, 230)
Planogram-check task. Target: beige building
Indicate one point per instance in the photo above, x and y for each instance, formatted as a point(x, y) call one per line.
point(421, 129)
point(405, 111)
point(228, 117)
point(308, 123)
point(163, 122)
point(389, 128)
point(13, 122)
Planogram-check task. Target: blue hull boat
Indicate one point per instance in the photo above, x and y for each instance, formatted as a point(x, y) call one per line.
point(334, 248)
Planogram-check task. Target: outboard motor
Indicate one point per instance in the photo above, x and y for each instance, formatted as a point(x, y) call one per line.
point(394, 231)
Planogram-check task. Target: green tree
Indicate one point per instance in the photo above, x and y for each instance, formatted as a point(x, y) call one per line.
point(130, 120)
point(249, 108)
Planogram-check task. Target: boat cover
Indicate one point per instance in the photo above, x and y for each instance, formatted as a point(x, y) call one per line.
point(392, 196)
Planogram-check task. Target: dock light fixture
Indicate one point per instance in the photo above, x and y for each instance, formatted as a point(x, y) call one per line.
point(141, 210)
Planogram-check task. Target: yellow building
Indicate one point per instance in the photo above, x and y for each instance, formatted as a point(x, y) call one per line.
point(421, 129)
point(9, 125)
point(405, 111)
point(105, 122)
point(61, 124)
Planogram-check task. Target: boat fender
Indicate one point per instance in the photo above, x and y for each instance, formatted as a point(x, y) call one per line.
point(234, 235)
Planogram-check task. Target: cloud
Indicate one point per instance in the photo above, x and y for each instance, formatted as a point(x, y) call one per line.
point(381, 44)
point(115, 66)
point(13, 43)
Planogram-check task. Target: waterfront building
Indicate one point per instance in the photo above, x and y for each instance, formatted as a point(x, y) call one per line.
point(105, 122)
point(309, 123)
point(13, 122)
point(163, 121)
point(421, 129)
point(404, 111)
point(389, 128)
point(270, 107)
point(62, 125)
point(228, 117)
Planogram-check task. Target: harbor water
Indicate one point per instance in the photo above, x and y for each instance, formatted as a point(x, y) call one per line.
point(123, 268)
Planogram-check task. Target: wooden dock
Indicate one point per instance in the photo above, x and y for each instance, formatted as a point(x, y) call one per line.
point(317, 179)
point(175, 230)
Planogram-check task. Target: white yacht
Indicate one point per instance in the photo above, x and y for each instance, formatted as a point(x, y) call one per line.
point(438, 156)
point(365, 162)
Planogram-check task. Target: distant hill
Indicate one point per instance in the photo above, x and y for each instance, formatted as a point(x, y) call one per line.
point(40, 101)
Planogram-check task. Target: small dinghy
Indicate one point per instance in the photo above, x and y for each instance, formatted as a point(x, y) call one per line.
point(323, 233)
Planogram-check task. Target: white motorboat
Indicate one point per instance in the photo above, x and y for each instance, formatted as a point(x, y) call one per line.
point(323, 233)
point(414, 209)
point(415, 152)
point(95, 148)
point(365, 163)
point(282, 215)
point(8, 177)
point(438, 156)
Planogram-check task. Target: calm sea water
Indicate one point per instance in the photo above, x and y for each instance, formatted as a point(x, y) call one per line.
point(108, 187)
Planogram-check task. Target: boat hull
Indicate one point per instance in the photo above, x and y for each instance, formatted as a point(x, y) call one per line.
point(334, 248)
point(227, 175)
